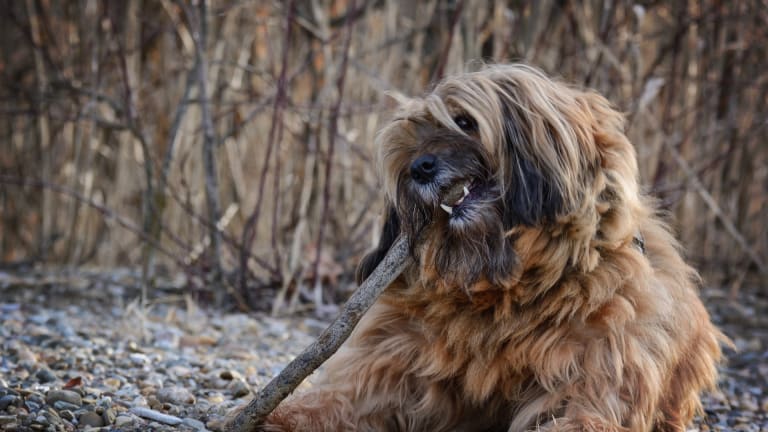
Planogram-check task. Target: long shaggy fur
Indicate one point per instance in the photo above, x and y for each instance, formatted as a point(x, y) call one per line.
point(531, 306)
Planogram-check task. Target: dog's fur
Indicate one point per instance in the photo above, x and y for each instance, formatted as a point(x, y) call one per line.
point(553, 298)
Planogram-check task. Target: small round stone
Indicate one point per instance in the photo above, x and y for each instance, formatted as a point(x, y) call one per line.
point(66, 396)
point(238, 388)
point(175, 395)
point(45, 375)
point(123, 420)
point(7, 400)
point(90, 418)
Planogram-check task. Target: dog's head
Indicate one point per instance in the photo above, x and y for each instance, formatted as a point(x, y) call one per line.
point(493, 163)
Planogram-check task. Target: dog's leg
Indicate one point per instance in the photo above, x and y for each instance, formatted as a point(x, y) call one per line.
point(583, 425)
point(321, 409)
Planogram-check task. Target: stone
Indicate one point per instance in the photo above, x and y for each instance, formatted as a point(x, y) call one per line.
point(7, 400)
point(238, 388)
point(63, 406)
point(156, 416)
point(109, 416)
point(66, 396)
point(194, 424)
point(90, 418)
point(45, 375)
point(122, 420)
point(175, 395)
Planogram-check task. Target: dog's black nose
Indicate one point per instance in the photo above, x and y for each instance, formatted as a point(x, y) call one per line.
point(424, 168)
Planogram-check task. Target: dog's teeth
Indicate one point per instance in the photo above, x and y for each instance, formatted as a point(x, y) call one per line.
point(448, 209)
point(466, 192)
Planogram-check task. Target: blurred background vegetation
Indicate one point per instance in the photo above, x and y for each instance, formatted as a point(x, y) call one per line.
point(230, 142)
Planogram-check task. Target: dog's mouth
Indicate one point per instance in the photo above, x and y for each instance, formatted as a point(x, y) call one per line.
point(459, 197)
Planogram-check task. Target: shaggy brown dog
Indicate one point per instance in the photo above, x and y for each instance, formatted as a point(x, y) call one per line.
point(546, 293)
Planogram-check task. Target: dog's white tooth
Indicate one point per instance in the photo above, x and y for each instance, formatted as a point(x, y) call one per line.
point(448, 209)
point(466, 192)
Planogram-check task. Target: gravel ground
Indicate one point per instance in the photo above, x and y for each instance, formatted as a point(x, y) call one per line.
point(74, 354)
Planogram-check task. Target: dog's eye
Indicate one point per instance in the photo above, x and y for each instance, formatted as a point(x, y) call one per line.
point(465, 123)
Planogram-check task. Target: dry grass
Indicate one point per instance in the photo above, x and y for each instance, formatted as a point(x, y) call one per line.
point(112, 155)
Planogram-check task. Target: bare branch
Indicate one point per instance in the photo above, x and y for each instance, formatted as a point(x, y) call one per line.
point(715, 208)
point(249, 232)
point(326, 344)
point(332, 128)
point(199, 36)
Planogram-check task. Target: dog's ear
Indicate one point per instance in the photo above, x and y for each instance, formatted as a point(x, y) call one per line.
point(531, 198)
point(388, 236)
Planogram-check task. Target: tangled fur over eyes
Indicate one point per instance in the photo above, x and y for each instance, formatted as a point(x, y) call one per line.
point(546, 292)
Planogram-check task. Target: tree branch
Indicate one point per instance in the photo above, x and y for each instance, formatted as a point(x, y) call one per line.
point(254, 414)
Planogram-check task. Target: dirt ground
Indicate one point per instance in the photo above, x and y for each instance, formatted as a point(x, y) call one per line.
point(79, 352)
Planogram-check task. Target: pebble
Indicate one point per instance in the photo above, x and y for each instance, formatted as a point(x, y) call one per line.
point(194, 424)
point(45, 375)
point(67, 396)
point(7, 400)
point(238, 388)
point(64, 406)
point(123, 420)
point(175, 395)
point(156, 416)
point(109, 415)
point(91, 418)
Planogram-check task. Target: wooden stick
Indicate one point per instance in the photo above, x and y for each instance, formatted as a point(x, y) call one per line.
point(254, 414)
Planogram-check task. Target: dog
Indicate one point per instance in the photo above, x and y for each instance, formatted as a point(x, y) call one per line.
point(546, 292)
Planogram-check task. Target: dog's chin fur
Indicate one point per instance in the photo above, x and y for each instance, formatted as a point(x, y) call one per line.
point(529, 306)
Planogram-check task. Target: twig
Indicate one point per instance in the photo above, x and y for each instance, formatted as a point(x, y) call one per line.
point(209, 140)
point(443, 60)
point(332, 129)
point(43, 129)
point(249, 231)
point(159, 199)
point(326, 344)
point(715, 208)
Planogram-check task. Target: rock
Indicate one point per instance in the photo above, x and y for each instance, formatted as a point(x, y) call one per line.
point(139, 359)
point(64, 406)
point(45, 375)
point(156, 416)
point(123, 420)
point(216, 398)
point(109, 416)
point(7, 400)
point(32, 406)
point(194, 424)
point(229, 375)
point(66, 396)
point(175, 395)
point(113, 383)
point(238, 388)
point(91, 418)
